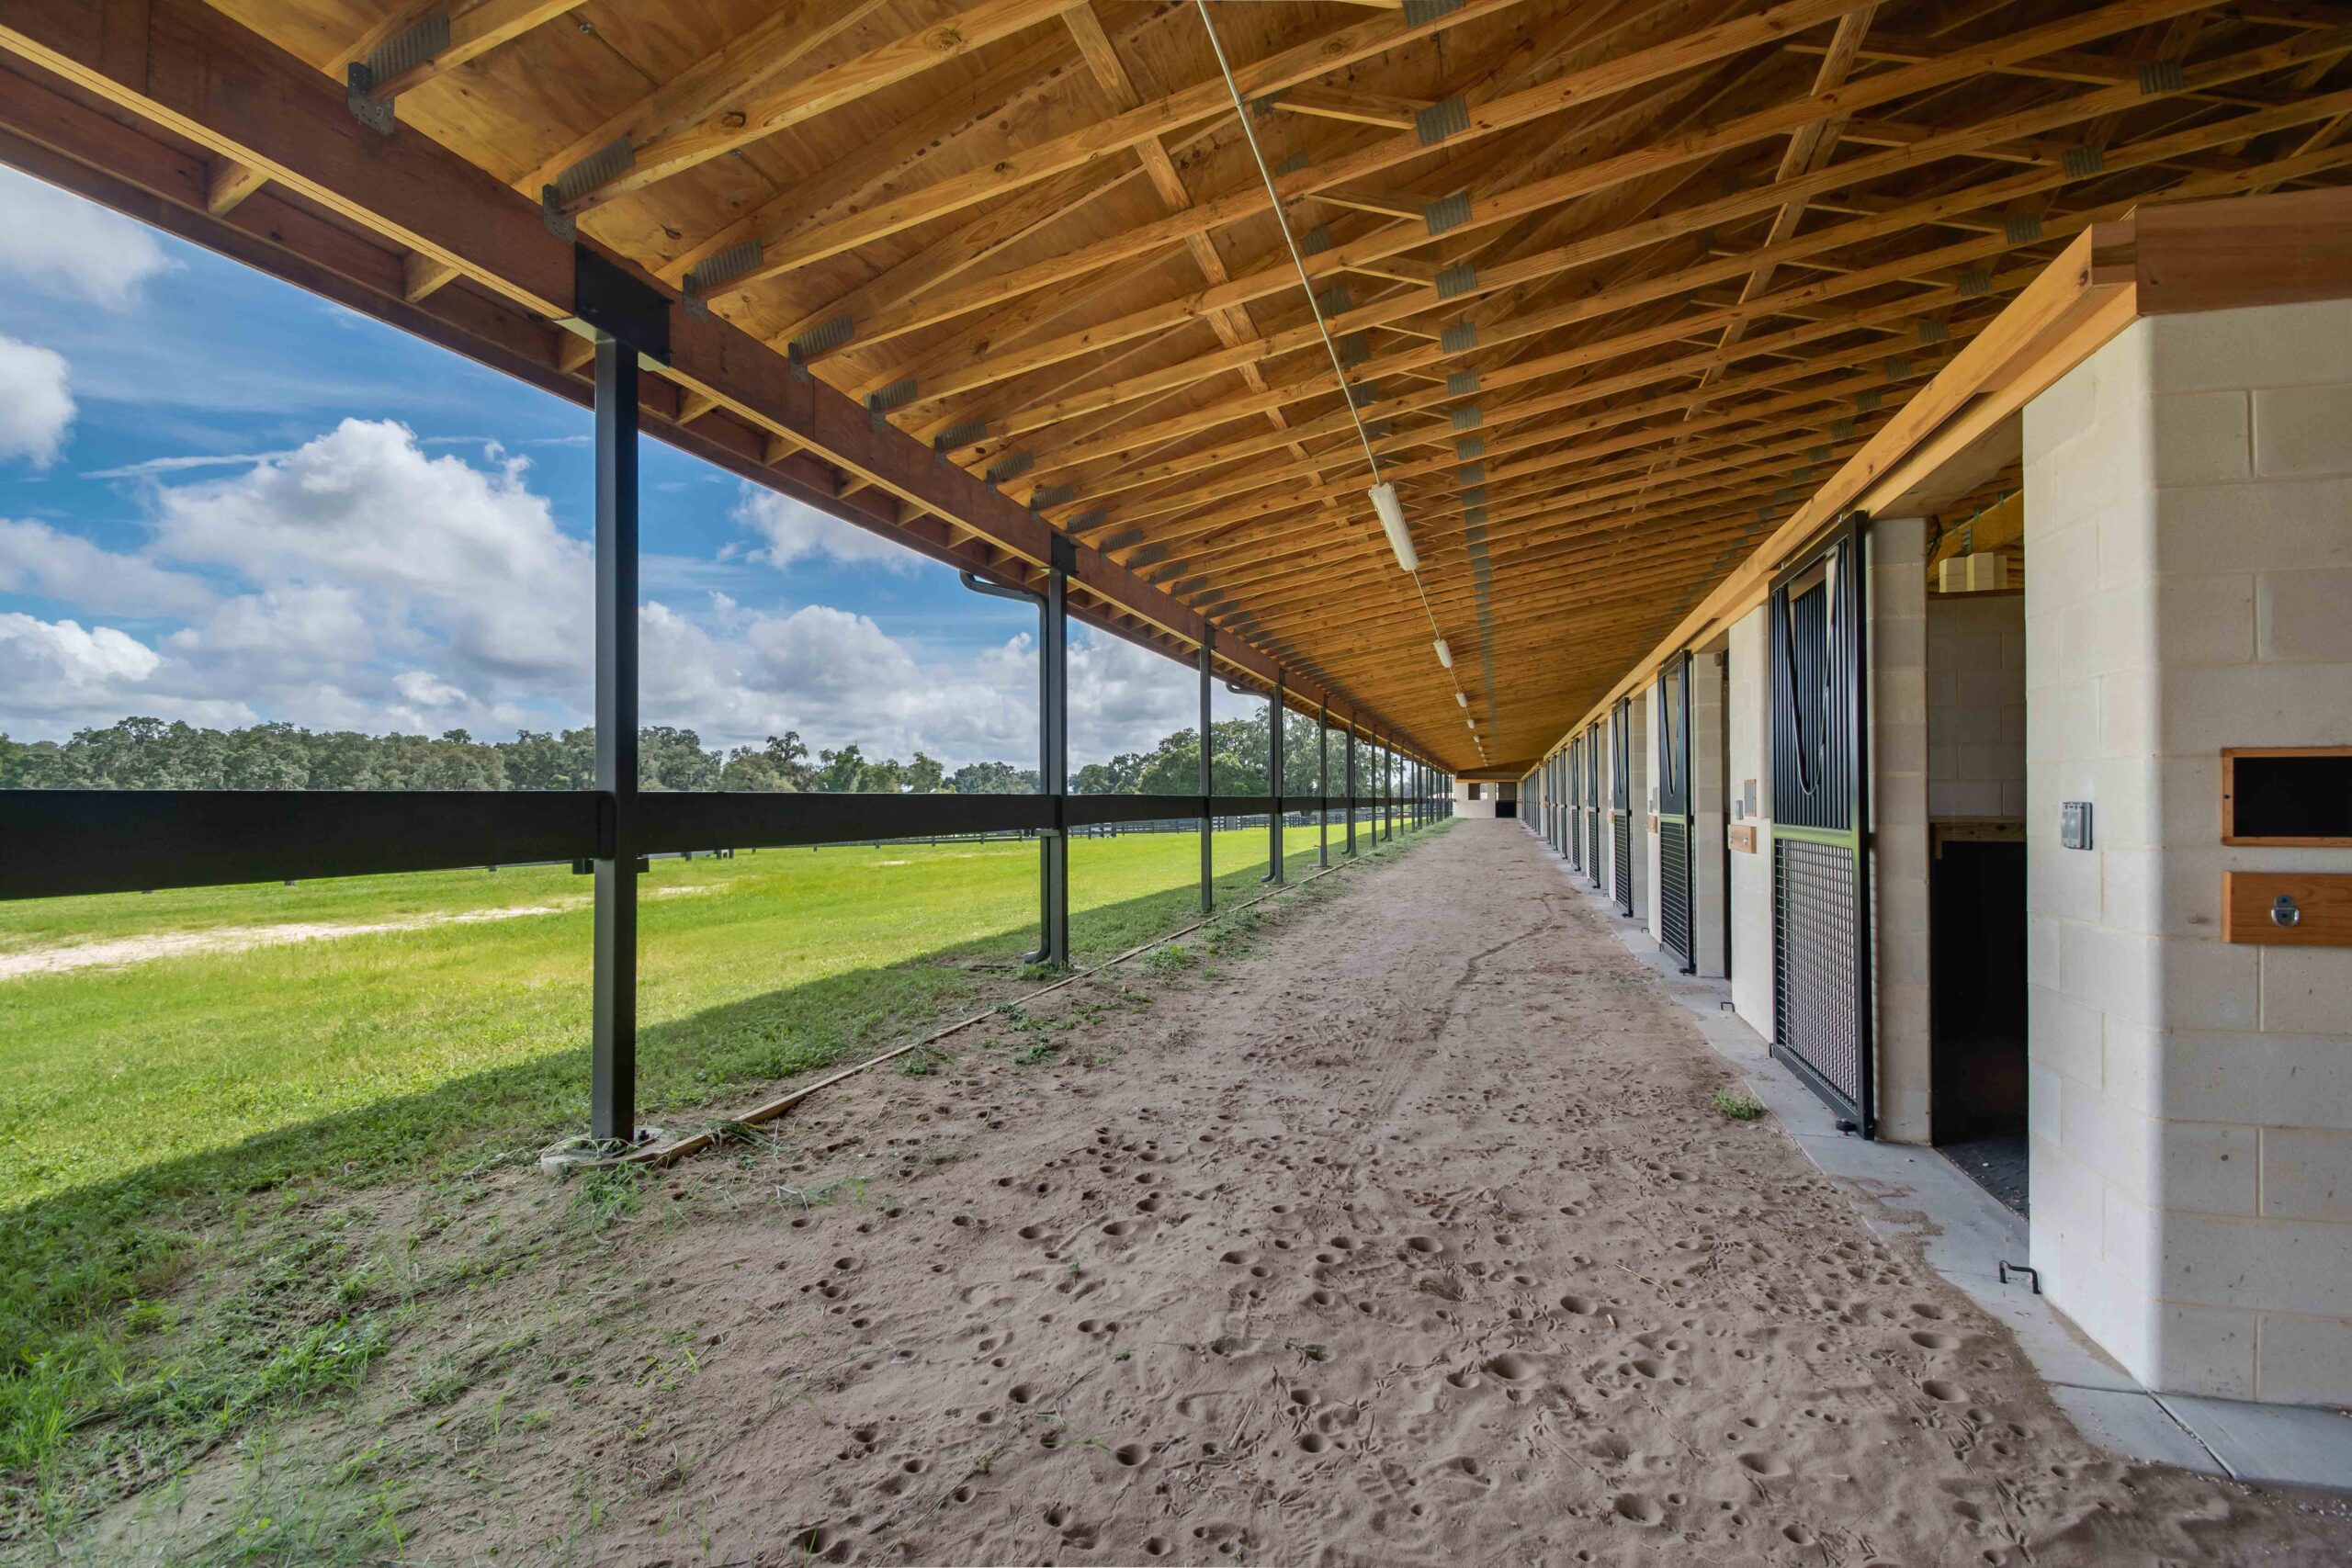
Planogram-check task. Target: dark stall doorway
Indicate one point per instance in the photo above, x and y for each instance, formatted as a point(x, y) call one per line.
point(1977, 973)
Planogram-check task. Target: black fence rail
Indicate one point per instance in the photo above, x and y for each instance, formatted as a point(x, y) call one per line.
point(56, 843)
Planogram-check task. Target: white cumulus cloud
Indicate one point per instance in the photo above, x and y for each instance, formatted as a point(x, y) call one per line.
point(36, 401)
point(361, 581)
point(793, 532)
point(60, 243)
point(35, 559)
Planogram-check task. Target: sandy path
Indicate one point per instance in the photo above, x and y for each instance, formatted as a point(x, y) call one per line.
point(1409, 1237)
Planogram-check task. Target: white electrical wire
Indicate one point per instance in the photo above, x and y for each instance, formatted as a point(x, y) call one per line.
point(1249, 134)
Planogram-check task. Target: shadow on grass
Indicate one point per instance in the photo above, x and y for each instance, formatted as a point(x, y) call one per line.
point(105, 1385)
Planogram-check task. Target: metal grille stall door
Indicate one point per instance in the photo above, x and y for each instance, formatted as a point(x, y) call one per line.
point(1820, 891)
point(1674, 823)
point(1621, 800)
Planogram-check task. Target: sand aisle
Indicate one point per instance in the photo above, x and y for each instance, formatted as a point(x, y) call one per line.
point(1409, 1237)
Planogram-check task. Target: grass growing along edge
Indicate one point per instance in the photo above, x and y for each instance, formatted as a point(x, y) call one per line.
point(176, 1258)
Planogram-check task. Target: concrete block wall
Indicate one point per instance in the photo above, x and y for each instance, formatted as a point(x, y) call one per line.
point(2189, 526)
point(1976, 706)
point(1640, 792)
point(1708, 908)
point(1897, 690)
point(1747, 692)
point(1653, 874)
point(1483, 806)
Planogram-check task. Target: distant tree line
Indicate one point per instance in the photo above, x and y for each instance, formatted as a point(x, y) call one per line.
point(1237, 761)
point(147, 753)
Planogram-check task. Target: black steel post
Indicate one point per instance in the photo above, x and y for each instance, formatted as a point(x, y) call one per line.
point(1322, 785)
point(1352, 783)
point(1208, 787)
point(612, 1095)
point(1045, 758)
point(1056, 719)
point(1274, 714)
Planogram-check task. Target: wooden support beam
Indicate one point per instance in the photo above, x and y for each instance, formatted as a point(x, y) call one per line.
point(230, 183)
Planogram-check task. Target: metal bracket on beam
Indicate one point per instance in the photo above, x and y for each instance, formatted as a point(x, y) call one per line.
point(1460, 384)
point(1315, 241)
point(607, 163)
point(1474, 495)
point(1291, 165)
point(1975, 281)
point(1335, 300)
point(2161, 76)
point(822, 338)
point(2082, 162)
point(1474, 516)
point(615, 303)
point(1459, 338)
point(1897, 367)
point(1015, 463)
point(1420, 13)
point(1469, 416)
point(1439, 121)
point(1091, 518)
point(1456, 281)
point(1354, 350)
point(1867, 401)
point(394, 57)
point(897, 394)
point(1470, 447)
point(717, 270)
point(970, 432)
point(2024, 229)
point(1447, 212)
point(1051, 495)
point(1933, 329)
point(1471, 474)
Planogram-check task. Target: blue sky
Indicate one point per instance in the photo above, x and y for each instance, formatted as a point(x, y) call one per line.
point(224, 500)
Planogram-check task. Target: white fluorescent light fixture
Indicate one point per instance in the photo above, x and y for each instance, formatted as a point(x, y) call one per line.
point(1392, 519)
point(1444, 654)
point(1462, 697)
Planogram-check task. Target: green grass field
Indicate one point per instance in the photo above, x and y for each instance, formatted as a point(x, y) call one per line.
point(153, 1106)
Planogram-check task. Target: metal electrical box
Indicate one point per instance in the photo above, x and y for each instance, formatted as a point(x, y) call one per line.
point(2074, 825)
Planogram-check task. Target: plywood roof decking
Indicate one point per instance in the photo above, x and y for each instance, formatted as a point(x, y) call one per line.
point(1618, 282)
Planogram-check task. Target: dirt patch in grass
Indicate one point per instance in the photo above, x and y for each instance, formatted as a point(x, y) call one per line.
point(116, 952)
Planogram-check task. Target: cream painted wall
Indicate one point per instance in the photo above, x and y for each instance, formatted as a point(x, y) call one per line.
point(1645, 796)
point(1483, 806)
point(1898, 742)
point(1976, 706)
point(2189, 530)
point(1708, 909)
point(1748, 692)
